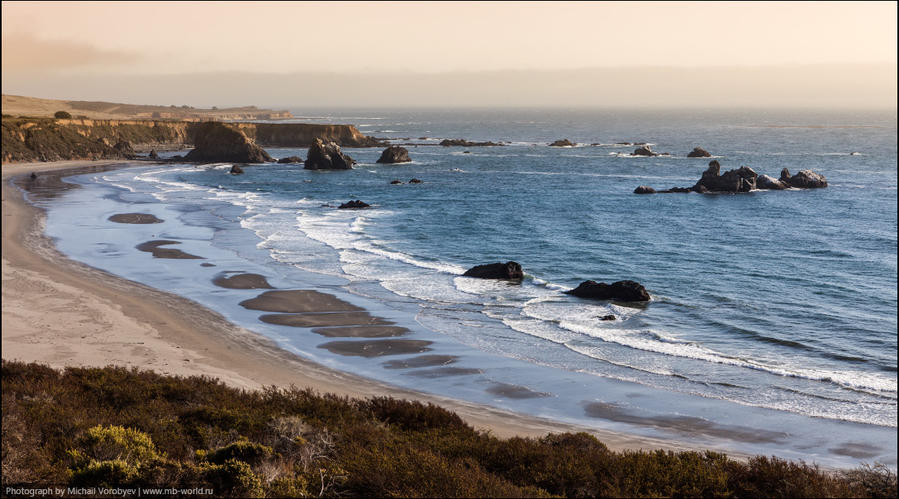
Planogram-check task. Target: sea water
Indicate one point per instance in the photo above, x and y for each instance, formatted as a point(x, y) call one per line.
point(772, 322)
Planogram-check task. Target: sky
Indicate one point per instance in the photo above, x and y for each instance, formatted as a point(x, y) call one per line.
point(446, 53)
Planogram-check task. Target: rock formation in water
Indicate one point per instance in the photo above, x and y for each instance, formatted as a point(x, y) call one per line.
point(563, 143)
point(644, 189)
point(805, 179)
point(508, 270)
point(322, 156)
point(290, 160)
point(739, 180)
point(394, 154)
point(699, 152)
point(465, 143)
point(644, 151)
point(216, 141)
point(356, 204)
point(770, 183)
point(236, 170)
point(620, 291)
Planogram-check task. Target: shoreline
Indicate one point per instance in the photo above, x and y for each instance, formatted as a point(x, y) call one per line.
point(63, 313)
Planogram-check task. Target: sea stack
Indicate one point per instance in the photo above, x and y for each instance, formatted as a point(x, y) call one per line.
point(508, 270)
point(215, 141)
point(328, 156)
point(395, 154)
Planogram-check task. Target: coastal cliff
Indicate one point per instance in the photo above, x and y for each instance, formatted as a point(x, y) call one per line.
point(48, 139)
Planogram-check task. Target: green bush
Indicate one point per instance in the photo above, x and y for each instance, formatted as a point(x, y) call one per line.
point(62, 115)
point(241, 450)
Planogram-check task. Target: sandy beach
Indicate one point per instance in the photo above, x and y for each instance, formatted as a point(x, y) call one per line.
point(62, 313)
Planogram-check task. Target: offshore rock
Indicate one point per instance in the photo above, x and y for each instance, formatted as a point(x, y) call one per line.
point(563, 143)
point(770, 183)
point(620, 291)
point(645, 151)
point(323, 156)
point(215, 141)
point(236, 170)
point(290, 159)
point(805, 179)
point(353, 205)
point(414, 181)
point(644, 189)
point(699, 152)
point(396, 181)
point(740, 180)
point(465, 143)
point(508, 270)
point(394, 154)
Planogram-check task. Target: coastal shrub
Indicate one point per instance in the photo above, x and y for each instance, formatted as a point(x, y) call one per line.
point(116, 426)
point(62, 115)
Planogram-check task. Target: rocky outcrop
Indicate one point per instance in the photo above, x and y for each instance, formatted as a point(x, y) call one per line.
point(396, 182)
point(356, 204)
point(465, 143)
point(216, 141)
point(153, 154)
point(290, 160)
point(304, 134)
point(739, 180)
point(508, 270)
point(394, 154)
point(327, 156)
point(699, 152)
point(125, 149)
point(414, 181)
point(619, 291)
point(644, 151)
point(644, 189)
point(236, 170)
point(563, 143)
point(770, 183)
point(805, 179)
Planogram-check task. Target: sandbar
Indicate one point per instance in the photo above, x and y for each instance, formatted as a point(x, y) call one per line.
point(135, 218)
point(241, 281)
point(298, 301)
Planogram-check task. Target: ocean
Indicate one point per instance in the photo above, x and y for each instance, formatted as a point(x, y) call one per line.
point(772, 326)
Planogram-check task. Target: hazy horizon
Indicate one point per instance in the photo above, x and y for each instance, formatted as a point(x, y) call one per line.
point(434, 54)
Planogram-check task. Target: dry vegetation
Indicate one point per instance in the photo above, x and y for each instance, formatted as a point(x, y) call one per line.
point(117, 427)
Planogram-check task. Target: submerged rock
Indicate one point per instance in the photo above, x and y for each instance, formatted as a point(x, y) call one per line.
point(620, 291)
point(465, 143)
point(508, 270)
point(396, 181)
point(563, 143)
point(215, 141)
point(290, 159)
point(353, 205)
point(394, 154)
point(699, 152)
point(644, 189)
point(805, 179)
point(328, 156)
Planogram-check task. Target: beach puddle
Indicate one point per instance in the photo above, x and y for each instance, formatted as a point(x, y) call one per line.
point(134, 218)
point(324, 319)
point(154, 248)
point(299, 301)
point(361, 331)
point(376, 348)
point(684, 424)
point(420, 361)
point(441, 372)
point(206, 264)
point(515, 391)
point(857, 450)
point(241, 281)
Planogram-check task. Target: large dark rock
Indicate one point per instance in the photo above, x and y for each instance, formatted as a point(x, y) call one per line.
point(563, 143)
point(465, 143)
point(620, 291)
point(153, 154)
point(644, 189)
point(290, 160)
point(236, 170)
point(508, 270)
point(805, 179)
point(739, 180)
point(414, 181)
point(215, 141)
point(323, 156)
point(395, 154)
point(645, 151)
point(699, 152)
point(353, 205)
point(124, 148)
point(770, 183)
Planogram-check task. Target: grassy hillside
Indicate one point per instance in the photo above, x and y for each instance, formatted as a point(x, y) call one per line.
point(118, 427)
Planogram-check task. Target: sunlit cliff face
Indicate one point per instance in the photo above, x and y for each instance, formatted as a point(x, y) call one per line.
point(453, 53)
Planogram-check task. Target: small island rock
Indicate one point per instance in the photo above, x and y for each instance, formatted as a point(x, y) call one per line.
point(644, 189)
point(353, 205)
point(236, 170)
point(328, 156)
point(805, 179)
point(394, 154)
point(620, 291)
point(699, 152)
point(290, 159)
point(563, 143)
point(508, 270)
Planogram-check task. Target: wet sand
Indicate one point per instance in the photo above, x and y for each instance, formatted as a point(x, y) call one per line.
point(155, 247)
point(63, 313)
point(361, 331)
point(444, 371)
point(298, 301)
point(515, 391)
point(241, 281)
point(135, 218)
point(376, 348)
point(324, 319)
